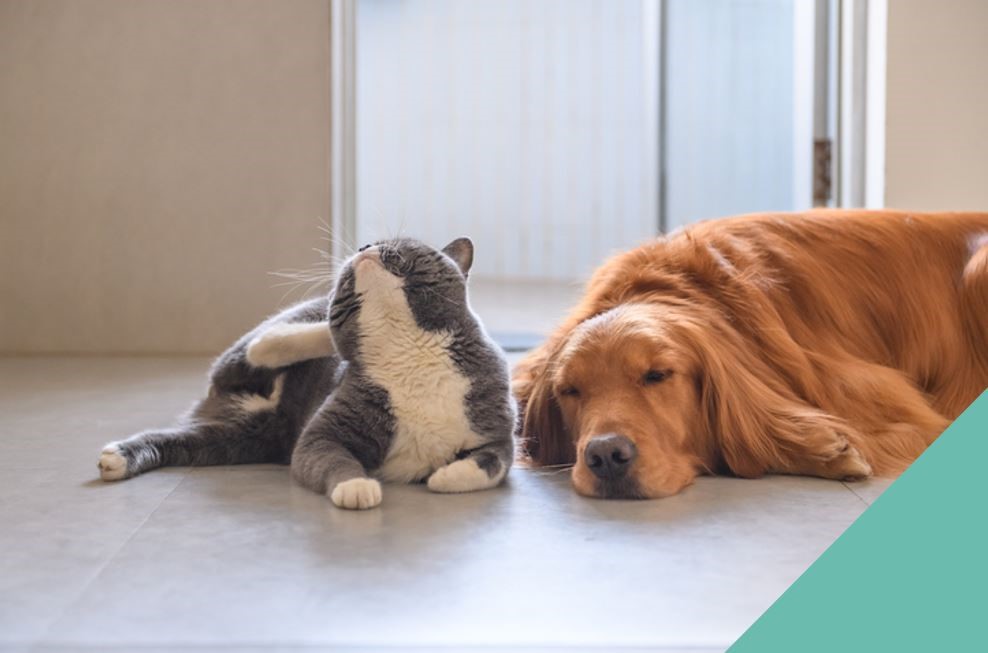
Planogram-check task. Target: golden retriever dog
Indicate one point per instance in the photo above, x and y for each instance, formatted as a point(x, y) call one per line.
point(837, 344)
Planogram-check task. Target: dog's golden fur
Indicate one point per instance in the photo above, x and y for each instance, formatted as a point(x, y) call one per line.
point(829, 343)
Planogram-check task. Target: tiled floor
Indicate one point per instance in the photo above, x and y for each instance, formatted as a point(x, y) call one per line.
point(238, 557)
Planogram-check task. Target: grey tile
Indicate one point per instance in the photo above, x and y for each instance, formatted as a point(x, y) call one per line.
point(241, 556)
point(60, 524)
point(869, 490)
point(15, 648)
point(60, 529)
point(66, 409)
point(361, 649)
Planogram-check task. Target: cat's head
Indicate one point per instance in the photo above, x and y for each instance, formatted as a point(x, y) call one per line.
point(390, 278)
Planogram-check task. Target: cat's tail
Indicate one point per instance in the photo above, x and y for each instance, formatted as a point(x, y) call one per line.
point(288, 343)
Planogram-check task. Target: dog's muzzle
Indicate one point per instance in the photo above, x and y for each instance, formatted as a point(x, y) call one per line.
point(610, 456)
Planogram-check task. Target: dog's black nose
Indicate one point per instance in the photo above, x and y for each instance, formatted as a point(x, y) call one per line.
point(609, 456)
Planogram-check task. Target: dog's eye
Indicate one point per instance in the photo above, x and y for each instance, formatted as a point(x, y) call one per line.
point(570, 391)
point(364, 247)
point(655, 376)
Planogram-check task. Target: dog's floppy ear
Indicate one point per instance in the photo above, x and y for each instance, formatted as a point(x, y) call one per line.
point(756, 421)
point(544, 439)
point(542, 435)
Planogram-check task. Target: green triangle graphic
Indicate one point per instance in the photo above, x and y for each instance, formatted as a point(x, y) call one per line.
point(911, 574)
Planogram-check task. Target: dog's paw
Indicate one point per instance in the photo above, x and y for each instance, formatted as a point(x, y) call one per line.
point(356, 494)
point(849, 465)
point(835, 444)
point(112, 465)
point(460, 476)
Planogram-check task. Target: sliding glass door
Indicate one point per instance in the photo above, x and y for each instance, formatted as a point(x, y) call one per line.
point(555, 132)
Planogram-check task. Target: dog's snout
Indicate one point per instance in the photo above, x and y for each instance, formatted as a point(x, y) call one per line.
point(609, 456)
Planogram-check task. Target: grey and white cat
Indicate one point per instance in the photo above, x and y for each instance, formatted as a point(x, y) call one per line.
point(402, 385)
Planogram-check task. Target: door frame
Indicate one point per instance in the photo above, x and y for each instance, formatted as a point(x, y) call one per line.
point(343, 126)
point(861, 116)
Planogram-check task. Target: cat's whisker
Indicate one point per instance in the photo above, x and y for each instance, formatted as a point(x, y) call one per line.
point(287, 294)
point(558, 467)
point(348, 249)
point(298, 282)
point(401, 225)
point(309, 288)
point(302, 274)
point(553, 472)
point(310, 280)
point(435, 293)
point(328, 260)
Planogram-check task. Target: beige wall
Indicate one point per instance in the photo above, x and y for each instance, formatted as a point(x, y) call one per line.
point(937, 104)
point(157, 160)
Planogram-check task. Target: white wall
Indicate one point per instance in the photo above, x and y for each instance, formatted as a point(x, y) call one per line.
point(157, 160)
point(937, 105)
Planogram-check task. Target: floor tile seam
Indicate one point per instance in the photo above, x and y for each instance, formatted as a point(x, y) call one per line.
point(99, 570)
point(852, 491)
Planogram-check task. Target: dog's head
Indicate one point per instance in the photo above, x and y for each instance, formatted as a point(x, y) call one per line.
point(643, 397)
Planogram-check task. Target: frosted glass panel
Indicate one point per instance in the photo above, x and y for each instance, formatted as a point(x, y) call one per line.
point(729, 104)
point(532, 125)
point(524, 124)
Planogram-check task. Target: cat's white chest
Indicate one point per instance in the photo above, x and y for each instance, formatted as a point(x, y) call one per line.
point(426, 390)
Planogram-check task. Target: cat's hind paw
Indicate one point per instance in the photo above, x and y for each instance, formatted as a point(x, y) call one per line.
point(286, 344)
point(267, 351)
point(461, 476)
point(356, 494)
point(112, 465)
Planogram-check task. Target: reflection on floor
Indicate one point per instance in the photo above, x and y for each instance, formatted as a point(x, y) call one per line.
point(236, 557)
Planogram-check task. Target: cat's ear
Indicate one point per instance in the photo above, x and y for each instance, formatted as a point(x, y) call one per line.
point(461, 251)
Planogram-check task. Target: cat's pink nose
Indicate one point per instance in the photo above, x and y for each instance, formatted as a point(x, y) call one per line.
point(369, 254)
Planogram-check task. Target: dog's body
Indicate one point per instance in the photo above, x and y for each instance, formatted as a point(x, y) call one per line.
point(836, 344)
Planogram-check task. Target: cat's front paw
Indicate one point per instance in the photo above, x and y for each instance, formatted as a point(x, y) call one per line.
point(112, 465)
point(460, 476)
point(356, 494)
